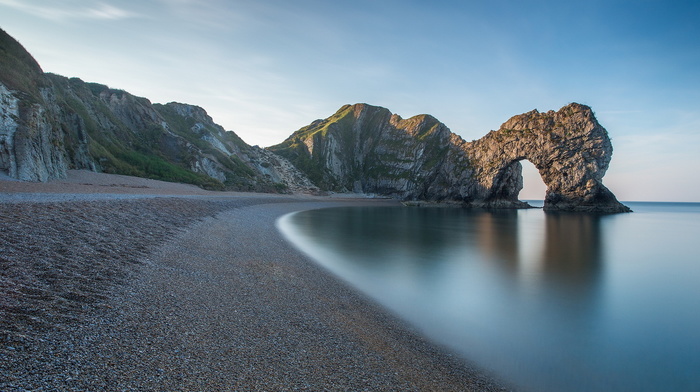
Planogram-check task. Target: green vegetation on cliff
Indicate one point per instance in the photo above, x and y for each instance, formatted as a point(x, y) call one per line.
point(18, 69)
point(365, 148)
point(115, 147)
point(51, 123)
point(183, 126)
point(311, 162)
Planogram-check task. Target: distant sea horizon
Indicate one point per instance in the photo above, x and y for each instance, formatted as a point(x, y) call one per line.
point(540, 202)
point(545, 301)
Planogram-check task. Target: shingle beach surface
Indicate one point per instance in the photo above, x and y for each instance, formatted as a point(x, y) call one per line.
point(189, 291)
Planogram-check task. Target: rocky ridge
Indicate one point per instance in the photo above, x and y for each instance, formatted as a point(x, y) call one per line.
point(50, 123)
point(364, 148)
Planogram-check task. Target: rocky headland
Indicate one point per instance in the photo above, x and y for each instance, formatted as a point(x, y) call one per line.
point(50, 123)
point(364, 148)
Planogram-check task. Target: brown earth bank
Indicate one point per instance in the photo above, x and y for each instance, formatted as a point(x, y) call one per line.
point(189, 290)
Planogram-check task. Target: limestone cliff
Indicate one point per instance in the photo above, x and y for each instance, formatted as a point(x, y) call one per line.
point(28, 140)
point(49, 123)
point(364, 148)
point(569, 147)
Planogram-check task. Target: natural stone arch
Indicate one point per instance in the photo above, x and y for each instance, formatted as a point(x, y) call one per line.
point(365, 148)
point(569, 148)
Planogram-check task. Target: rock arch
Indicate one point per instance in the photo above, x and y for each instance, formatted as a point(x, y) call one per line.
point(365, 148)
point(569, 148)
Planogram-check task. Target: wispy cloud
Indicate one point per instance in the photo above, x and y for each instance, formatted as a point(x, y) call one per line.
point(94, 10)
point(106, 11)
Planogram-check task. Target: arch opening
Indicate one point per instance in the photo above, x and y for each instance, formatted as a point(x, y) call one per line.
point(534, 187)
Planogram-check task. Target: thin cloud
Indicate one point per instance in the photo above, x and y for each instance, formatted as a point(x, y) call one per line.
point(98, 11)
point(106, 11)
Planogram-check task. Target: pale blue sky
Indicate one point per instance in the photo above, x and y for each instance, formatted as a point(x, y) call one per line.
point(266, 68)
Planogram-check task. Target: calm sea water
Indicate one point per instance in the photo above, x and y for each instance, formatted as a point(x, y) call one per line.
point(548, 302)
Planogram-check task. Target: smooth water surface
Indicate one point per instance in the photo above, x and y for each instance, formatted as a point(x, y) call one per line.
point(546, 301)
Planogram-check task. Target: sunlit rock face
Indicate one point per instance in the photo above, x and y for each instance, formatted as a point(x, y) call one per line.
point(569, 147)
point(364, 148)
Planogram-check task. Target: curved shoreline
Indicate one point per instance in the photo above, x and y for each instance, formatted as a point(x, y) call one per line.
point(223, 304)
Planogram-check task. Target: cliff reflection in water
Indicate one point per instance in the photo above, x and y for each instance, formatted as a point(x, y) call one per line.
point(572, 246)
point(550, 301)
point(565, 247)
point(506, 288)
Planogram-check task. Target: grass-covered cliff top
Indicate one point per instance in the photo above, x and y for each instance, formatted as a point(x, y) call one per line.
point(18, 69)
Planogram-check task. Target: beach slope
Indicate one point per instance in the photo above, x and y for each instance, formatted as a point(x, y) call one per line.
point(194, 292)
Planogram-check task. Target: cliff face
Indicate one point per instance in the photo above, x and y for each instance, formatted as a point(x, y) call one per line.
point(49, 123)
point(29, 144)
point(27, 138)
point(363, 148)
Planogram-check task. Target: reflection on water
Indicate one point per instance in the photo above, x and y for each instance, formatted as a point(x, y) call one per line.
point(551, 301)
point(573, 248)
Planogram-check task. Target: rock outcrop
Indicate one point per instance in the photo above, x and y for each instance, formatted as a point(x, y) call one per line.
point(28, 139)
point(49, 123)
point(365, 148)
point(569, 148)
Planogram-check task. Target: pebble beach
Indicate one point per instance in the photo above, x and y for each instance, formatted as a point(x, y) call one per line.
point(121, 284)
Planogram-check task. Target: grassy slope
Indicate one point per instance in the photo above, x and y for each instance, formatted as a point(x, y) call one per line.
point(114, 145)
point(372, 130)
point(120, 150)
point(18, 69)
point(312, 165)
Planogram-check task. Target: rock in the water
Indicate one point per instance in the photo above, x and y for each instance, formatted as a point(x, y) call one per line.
point(570, 149)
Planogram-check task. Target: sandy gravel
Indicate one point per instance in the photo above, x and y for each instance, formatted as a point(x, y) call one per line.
point(178, 291)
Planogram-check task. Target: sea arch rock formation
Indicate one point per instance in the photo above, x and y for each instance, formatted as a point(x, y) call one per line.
point(569, 148)
point(364, 148)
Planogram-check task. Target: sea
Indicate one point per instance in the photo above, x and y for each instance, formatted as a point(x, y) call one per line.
point(542, 301)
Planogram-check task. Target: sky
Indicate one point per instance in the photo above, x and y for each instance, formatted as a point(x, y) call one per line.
point(265, 68)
